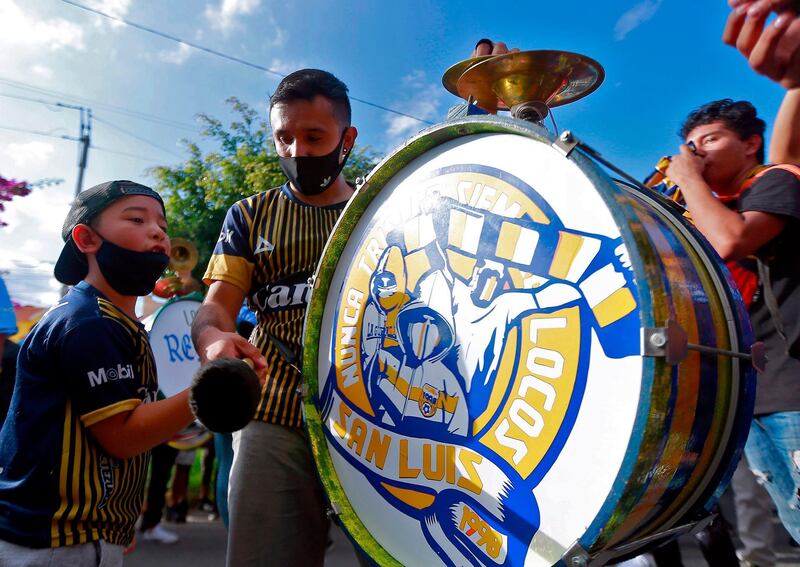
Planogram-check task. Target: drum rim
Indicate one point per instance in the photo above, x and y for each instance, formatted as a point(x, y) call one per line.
point(365, 193)
point(194, 296)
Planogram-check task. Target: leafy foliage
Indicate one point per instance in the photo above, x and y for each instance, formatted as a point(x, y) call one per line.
point(198, 193)
point(10, 188)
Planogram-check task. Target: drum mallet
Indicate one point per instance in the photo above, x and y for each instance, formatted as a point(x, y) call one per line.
point(224, 394)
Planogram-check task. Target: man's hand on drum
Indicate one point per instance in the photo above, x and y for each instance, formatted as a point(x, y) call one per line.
point(772, 50)
point(220, 344)
point(488, 47)
point(686, 169)
point(213, 328)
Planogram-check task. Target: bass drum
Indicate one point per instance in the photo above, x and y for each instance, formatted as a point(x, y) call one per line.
point(490, 358)
point(176, 360)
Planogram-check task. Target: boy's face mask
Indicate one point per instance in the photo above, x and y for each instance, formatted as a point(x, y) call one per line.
point(311, 175)
point(129, 272)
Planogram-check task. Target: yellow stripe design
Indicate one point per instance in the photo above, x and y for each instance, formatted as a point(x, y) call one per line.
point(445, 402)
point(231, 269)
point(413, 498)
point(460, 264)
point(99, 415)
point(566, 251)
point(464, 231)
point(614, 307)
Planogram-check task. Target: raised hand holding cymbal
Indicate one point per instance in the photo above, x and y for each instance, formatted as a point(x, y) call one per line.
point(772, 50)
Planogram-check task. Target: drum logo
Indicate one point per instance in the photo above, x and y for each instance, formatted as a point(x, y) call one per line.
point(460, 350)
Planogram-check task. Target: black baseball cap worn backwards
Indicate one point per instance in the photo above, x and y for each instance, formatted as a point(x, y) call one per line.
point(71, 266)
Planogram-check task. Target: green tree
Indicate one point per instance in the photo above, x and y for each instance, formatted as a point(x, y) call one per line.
point(198, 192)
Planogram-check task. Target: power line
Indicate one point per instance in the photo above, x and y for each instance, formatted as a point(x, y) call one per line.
point(137, 137)
point(29, 99)
point(119, 153)
point(102, 121)
point(95, 103)
point(223, 55)
point(40, 133)
point(74, 139)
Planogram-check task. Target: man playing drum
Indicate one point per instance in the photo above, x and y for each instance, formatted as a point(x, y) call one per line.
point(267, 251)
point(751, 215)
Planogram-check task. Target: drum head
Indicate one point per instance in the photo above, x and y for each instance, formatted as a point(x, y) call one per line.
point(473, 351)
point(170, 338)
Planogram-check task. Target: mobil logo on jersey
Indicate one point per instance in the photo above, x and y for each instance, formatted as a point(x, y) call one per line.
point(467, 321)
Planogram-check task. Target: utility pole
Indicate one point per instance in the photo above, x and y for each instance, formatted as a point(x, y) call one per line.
point(85, 141)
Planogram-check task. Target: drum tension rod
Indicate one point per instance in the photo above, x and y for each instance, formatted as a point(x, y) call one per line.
point(625, 550)
point(671, 342)
point(334, 512)
point(566, 144)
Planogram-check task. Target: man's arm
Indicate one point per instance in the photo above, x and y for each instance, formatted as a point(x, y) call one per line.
point(733, 235)
point(214, 327)
point(785, 144)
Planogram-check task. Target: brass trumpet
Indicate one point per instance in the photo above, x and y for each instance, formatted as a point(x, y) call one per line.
point(183, 257)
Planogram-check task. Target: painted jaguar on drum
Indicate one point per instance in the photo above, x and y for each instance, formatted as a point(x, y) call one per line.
point(463, 337)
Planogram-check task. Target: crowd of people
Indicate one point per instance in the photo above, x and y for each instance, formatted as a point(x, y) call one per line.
point(85, 415)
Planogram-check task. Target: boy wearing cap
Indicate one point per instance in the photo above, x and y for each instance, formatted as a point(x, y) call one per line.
point(74, 448)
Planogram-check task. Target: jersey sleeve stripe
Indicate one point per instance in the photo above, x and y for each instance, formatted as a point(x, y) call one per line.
point(99, 415)
point(234, 270)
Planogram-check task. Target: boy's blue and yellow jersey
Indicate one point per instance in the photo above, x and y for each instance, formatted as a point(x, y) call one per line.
point(269, 246)
point(84, 362)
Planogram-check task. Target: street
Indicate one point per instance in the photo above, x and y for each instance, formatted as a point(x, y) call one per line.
point(202, 544)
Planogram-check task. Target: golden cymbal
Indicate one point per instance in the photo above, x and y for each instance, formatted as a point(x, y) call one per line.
point(552, 77)
point(453, 74)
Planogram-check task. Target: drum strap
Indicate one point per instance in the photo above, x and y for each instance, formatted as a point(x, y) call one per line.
point(770, 301)
point(763, 266)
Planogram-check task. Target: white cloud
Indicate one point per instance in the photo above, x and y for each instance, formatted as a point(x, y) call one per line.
point(18, 28)
point(424, 103)
point(279, 36)
point(634, 17)
point(226, 15)
point(29, 281)
point(286, 67)
point(42, 71)
point(31, 243)
point(28, 153)
point(117, 8)
point(175, 56)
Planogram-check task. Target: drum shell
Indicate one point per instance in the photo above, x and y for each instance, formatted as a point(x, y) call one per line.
point(689, 426)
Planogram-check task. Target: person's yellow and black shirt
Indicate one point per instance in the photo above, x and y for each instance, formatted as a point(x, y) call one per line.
point(269, 247)
point(83, 362)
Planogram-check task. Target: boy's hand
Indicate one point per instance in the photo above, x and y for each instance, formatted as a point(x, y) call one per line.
point(686, 169)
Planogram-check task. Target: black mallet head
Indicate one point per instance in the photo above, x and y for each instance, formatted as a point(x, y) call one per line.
point(224, 394)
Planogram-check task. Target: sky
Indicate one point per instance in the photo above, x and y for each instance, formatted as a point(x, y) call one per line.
point(662, 58)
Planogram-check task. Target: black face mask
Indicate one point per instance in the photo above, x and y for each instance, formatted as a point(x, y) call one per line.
point(129, 272)
point(311, 175)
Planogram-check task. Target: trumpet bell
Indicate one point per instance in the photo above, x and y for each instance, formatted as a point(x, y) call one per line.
point(184, 256)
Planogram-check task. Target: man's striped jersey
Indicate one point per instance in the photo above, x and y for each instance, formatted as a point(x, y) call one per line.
point(84, 362)
point(269, 246)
